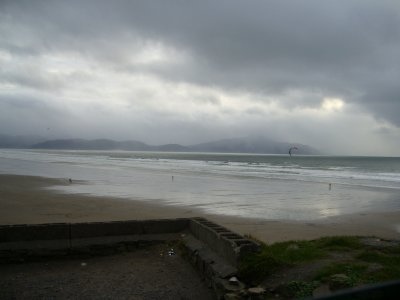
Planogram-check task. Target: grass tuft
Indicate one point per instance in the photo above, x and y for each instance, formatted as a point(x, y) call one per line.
point(389, 261)
point(339, 243)
point(301, 289)
point(256, 267)
point(364, 264)
point(354, 272)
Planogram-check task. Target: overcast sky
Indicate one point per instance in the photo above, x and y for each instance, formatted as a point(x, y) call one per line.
point(322, 73)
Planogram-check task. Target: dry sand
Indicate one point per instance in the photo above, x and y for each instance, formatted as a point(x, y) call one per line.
point(25, 200)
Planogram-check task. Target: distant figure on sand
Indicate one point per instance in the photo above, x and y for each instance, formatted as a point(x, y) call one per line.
point(70, 180)
point(172, 178)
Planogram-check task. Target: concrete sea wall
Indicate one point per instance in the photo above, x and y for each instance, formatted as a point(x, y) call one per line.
point(213, 250)
point(225, 243)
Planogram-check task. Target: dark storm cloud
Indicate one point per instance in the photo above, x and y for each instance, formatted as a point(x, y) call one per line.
point(273, 49)
point(333, 47)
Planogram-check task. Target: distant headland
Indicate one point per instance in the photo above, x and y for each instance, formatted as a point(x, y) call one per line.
point(259, 145)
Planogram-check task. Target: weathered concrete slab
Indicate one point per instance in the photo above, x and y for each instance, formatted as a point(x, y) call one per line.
point(226, 243)
point(97, 229)
point(164, 226)
point(54, 231)
point(221, 240)
point(119, 239)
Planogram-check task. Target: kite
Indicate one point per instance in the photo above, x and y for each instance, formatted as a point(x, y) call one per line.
point(291, 149)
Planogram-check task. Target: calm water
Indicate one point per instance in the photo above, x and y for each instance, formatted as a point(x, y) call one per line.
point(257, 186)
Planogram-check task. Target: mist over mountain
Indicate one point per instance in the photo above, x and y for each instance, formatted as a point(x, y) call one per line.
point(260, 145)
point(20, 141)
point(252, 145)
point(97, 144)
point(236, 145)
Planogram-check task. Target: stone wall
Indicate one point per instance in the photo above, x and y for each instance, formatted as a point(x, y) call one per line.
point(221, 240)
point(213, 250)
point(224, 242)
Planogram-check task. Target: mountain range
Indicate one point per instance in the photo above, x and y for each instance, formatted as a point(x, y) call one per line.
point(259, 145)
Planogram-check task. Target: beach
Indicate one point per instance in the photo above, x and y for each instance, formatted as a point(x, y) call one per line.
point(28, 200)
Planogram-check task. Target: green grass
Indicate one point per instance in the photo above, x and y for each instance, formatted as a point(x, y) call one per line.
point(388, 258)
point(394, 250)
point(301, 289)
point(353, 270)
point(379, 257)
point(272, 258)
point(339, 243)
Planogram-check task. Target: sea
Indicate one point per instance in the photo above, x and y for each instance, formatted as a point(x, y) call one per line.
point(273, 187)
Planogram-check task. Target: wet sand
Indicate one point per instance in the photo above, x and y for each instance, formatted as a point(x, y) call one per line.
point(25, 200)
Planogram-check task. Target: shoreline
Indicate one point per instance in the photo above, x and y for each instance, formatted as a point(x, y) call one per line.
point(25, 200)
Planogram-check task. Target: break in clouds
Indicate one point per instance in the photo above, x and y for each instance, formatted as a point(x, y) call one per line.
point(323, 73)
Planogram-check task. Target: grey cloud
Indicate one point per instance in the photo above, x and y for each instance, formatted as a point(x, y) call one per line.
point(16, 105)
point(32, 78)
point(257, 44)
point(272, 49)
point(23, 113)
point(383, 130)
point(384, 103)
